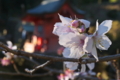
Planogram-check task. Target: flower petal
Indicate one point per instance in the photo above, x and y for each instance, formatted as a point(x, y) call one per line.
point(94, 53)
point(85, 22)
point(71, 65)
point(66, 52)
point(88, 44)
point(9, 43)
point(61, 29)
point(104, 27)
point(95, 33)
point(69, 39)
point(83, 68)
point(91, 73)
point(14, 47)
point(76, 52)
point(103, 42)
point(65, 20)
point(91, 66)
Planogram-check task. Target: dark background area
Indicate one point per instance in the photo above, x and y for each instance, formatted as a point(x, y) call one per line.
point(12, 11)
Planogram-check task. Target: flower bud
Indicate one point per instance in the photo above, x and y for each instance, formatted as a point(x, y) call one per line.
point(5, 61)
point(75, 23)
point(81, 29)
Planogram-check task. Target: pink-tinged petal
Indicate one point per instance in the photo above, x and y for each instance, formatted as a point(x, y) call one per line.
point(69, 39)
point(85, 22)
point(66, 52)
point(75, 23)
point(71, 65)
point(76, 52)
point(82, 29)
point(83, 68)
point(61, 77)
point(59, 29)
point(104, 27)
point(103, 42)
point(88, 44)
point(65, 20)
point(94, 53)
point(5, 61)
point(91, 65)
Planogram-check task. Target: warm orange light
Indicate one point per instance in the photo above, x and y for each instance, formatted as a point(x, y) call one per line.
point(39, 41)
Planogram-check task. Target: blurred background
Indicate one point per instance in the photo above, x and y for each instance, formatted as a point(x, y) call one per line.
point(28, 24)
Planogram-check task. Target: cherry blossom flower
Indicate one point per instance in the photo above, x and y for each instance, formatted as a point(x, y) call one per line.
point(63, 77)
point(98, 39)
point(5, 61)
point(11, 46)
point(70, 74)
point(66, 25)
point(71, 38)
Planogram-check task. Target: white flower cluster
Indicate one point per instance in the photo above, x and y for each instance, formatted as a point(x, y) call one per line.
point(72, 35)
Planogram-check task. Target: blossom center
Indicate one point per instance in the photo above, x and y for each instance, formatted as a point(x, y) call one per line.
point(82, 42)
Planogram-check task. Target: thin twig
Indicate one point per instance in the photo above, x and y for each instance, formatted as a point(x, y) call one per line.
point(45, 68)
point(15, 67)
point(117, 69)
point(38, 67)
point(116, 65)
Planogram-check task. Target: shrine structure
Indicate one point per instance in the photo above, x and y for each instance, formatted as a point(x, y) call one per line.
point(44, 16)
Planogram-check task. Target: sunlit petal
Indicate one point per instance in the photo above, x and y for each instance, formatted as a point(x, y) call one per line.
point(65, 20)
point(94, 53)
point(103, 42)
point(14, 47)
point(9, 43)
point(91, 65)
point(76, 52)
point(104, 27)
point(83, 68)
point(88, 44)
point(95, 33)
point(59, 29)
point(69, 39)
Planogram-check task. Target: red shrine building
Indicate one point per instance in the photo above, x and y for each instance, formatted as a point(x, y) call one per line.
point(41, 19)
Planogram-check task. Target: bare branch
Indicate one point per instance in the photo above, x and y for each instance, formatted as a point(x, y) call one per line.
point(38, 67)
point(79, 77)
point(24, 74)
point(61, 59)
point(15, 67)
point(45, 68)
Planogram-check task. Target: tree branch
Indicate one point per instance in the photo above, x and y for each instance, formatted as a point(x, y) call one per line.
point(79, 77)
point(61, 59)
point(24, 74)
point(38, 67)
point(15, 67)
point(45, 68)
